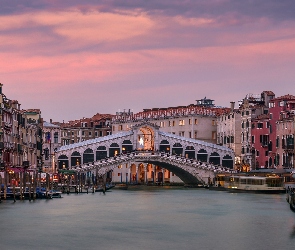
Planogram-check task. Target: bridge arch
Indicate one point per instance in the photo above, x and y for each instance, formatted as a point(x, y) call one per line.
point(214, 158)
point(177, 149)
point(164, 146)
point(228, 161)
point(63, 162)
point(88, 155)
point(127, 146)
point(114, 149)
point(101, 153)
point(202, 155)
point(190, 152)
point(75, 158)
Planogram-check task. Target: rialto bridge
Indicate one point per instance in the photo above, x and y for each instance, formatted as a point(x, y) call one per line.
point(144, 154)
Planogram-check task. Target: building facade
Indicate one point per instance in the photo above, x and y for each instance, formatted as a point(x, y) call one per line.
point(229, 133)
point(196, 121)
point(251, 107)
point(51, 142)
point(20, 138)
point(85, 129)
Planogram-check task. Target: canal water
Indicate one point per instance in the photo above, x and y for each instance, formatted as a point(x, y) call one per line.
point(150, 218)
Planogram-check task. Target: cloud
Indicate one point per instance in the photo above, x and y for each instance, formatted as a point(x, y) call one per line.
point(271, 9)
point(100, 56)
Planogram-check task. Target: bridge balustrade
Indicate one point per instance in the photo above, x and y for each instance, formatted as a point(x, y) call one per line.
point(192, 166)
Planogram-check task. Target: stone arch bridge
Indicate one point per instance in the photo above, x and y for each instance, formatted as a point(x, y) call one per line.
point(193, 161)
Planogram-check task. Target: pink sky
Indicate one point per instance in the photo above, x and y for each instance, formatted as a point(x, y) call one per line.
point(72, 60)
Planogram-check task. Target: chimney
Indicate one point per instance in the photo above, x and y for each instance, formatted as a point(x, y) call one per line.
point(232, 106)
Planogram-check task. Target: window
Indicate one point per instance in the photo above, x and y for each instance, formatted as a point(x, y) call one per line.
point(89, 133)
point(96, 133)
point(162, 124)
point(83, 133)
point(247, 124)
point(181, 122)
point(46, 153)
point(196, 121)
point(196, 135)
point(120, 128)
point(190, 121)
point(213, 135)
point(171, 123)
point(56, 137)
point(213, 122)
point(181, 133)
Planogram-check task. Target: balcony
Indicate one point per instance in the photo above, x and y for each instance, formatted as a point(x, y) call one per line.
point(264, 144)
point(288, 147)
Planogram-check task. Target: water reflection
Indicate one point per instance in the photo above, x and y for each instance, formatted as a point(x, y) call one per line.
point(292, 235)
point(149, 219)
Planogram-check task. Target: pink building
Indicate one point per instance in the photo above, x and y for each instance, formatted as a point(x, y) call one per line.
point(260, 141)
point(281, 109)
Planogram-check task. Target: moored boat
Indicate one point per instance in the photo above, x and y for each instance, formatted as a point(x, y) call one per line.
point(291, 199)
point(122, 186)
point(255, 184)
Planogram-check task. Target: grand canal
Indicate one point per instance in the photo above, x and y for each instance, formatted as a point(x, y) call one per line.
point(153, 218)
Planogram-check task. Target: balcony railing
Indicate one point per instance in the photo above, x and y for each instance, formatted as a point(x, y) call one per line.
point(288, 146)
point(264, 143)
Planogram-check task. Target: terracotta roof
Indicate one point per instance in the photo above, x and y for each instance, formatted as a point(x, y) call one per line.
point(284, 97)
point(268, 92)
point(262, 117)
point(77, 123)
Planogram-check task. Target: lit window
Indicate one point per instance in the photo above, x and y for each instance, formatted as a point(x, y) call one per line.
point(181, 122)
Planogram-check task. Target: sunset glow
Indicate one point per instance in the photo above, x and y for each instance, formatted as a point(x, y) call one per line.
point(104, 56)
